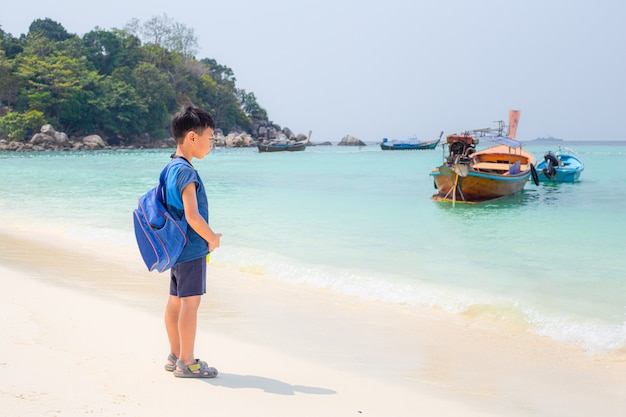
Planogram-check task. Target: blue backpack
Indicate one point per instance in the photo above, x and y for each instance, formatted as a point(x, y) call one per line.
point(160, 237)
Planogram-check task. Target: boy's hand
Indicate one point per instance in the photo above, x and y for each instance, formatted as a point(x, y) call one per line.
point(215, 243)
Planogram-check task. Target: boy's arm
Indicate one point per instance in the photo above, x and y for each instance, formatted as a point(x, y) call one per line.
point(195, 220)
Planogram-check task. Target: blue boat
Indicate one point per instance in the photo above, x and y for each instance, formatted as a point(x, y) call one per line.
point(560, 167)
point(409, 144)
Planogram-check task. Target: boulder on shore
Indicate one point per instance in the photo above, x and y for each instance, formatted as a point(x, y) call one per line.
point(94, 142)
point(351, 141)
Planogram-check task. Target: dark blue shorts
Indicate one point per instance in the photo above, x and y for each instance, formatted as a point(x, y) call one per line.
point(188, 278)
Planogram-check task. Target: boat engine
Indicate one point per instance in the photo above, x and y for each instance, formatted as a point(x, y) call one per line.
point(461, 148)
point(551, 162)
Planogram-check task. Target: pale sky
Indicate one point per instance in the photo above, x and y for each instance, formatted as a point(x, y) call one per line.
point(398, 69)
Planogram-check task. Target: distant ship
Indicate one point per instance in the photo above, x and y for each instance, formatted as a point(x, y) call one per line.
point(547, 139)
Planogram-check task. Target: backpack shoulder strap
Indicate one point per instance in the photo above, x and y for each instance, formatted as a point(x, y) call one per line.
point(165, 172)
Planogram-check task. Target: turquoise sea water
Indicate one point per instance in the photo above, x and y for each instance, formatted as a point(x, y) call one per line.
point(361, 221)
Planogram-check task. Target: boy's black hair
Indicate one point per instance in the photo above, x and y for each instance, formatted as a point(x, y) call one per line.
point(191, 118)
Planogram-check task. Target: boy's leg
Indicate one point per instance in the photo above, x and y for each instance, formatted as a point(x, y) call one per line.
point(187, 324)
point(172, 312)
point(188, 282)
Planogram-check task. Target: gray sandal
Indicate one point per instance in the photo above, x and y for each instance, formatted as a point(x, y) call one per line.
point(173, 359)
point(191, 371)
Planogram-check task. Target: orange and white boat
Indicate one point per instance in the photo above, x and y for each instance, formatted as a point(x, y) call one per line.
point(475, 176)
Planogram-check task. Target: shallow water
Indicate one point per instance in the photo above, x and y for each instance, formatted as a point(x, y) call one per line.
point(361, 221)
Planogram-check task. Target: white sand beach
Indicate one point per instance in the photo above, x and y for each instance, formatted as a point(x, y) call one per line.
point(82, 334)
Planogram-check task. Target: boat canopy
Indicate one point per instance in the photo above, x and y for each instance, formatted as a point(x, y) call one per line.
point(503, 140)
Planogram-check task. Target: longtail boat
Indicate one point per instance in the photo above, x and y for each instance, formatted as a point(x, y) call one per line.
point(474, 176)
point(283, 145)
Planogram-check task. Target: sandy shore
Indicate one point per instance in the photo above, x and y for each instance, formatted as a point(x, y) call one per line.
point(82, 334)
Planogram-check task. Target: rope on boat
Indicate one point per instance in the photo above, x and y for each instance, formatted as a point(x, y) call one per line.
point(453, 190)
point(448, 193)
point(456, 181)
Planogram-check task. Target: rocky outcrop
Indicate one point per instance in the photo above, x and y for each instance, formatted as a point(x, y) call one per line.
point(351, 141)
point(50, 140)
point(232, 140)
point(48, 137)
point(262, 130)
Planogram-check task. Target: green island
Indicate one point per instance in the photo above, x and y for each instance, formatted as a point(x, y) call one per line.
point(122, 85)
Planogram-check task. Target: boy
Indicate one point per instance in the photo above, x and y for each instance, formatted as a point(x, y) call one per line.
point(185, 195)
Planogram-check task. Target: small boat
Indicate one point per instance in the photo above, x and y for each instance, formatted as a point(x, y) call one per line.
point(560, 167)
point(283, 145)
point(472, 176)
point(409, 144)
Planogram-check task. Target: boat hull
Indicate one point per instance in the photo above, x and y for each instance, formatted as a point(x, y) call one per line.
point(475, 187)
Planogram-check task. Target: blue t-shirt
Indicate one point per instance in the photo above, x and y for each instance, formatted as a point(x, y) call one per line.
point(179, 176)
